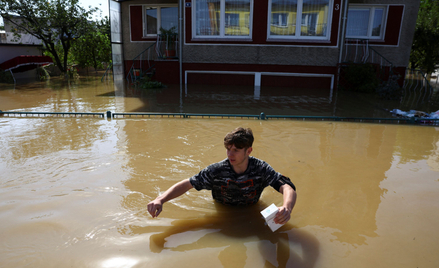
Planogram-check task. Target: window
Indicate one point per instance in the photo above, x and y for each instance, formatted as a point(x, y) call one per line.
point(222, 18)
point(313, 16)
point(157, 17)
point(366, 22)
point(279, 19)
point(232, 20)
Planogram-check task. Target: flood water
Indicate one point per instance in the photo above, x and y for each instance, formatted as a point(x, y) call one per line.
point(73, 191)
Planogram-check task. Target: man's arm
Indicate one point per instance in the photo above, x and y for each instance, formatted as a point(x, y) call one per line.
point(289, 195)
point(156, 206)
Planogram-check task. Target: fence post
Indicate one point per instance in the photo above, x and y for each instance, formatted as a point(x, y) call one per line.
point(413, 120)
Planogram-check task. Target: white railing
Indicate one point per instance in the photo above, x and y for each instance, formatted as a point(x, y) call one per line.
point(359, 51)
point(167, 46)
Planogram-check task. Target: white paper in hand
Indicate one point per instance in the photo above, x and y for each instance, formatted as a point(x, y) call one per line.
point(269, 213)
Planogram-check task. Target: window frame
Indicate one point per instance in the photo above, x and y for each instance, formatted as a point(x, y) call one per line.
point(280, 24)
point(371, 9)
point(159, 18)
point(298, 32)
point(222, 35)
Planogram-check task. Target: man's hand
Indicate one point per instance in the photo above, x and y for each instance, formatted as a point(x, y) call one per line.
point(290, 196)
point(155, 207)
point(283, 216)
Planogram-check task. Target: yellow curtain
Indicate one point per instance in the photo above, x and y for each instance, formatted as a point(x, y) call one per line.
point(212, 17)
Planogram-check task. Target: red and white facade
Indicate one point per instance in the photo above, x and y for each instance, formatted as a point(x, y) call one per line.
point(256, 42)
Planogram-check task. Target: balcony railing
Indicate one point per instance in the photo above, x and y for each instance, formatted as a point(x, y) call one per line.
point(417, 88)
point(359, 51)
point(142, 64)
point(167, 46)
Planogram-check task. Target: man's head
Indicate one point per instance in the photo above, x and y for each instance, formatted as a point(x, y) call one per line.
point(239, 146)
point(240, 137)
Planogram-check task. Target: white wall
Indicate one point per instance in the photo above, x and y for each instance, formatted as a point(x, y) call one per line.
point(8, 52)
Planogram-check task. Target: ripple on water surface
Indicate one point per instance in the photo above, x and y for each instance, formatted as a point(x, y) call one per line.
point(74, 191)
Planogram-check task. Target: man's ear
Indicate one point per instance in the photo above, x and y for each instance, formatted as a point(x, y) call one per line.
point(249, 150)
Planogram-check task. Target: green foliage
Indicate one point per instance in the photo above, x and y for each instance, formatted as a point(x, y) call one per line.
point(364, 78)
point(42, 73)
point(91, 50)
point(72, 72)
point(6, 77)
point(390, 90)
point(61, 55)
point(360, 78)
point(170, 36)
point(146, 83)
point(425, 48)
point(94, 47)
point(56, 22)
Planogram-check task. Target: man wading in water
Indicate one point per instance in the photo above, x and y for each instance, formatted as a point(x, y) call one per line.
point(238, 180)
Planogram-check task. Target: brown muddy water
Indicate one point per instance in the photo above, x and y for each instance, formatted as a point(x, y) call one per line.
point(73, 191)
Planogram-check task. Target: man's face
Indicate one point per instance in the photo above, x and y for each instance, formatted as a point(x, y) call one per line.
point(238, 157)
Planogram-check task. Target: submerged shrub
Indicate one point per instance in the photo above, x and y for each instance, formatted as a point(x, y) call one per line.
point(6, 77)
point(42, 73)
point(359, 78)
point(72, 72)
point(390, 90)
point(365, 78)
point(146, 83)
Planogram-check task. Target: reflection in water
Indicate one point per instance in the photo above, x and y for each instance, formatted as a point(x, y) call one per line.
point(271, 101)
point(233, 232)
point(338, 168)
point(61, 136)
point(119, 262)
point(243, 225)
point(73, 191)
point(74, 96)
point(235, 100)
point(433, 159)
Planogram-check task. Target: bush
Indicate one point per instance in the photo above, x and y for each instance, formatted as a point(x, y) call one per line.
point(42, 73)
point(146, 83)
point(72, 72)
point(359, 78)
point(390, 90)
point(6, 77)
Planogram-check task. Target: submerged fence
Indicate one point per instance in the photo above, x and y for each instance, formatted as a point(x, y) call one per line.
point(417, 89)
point(109, 115)
point(50, 114)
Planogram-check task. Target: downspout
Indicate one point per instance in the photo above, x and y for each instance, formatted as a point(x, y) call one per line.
point(343, 31)
point(342, 45)
point(180, 48)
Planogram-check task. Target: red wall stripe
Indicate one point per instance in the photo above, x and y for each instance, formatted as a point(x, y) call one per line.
point(136, 23)
point(393, 27)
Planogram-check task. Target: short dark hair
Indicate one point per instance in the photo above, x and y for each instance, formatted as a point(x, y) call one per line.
point(240, 137)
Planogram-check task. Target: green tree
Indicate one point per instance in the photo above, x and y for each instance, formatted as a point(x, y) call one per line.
point(61, 55)
point(94, 47)
point(425, 48)
point(54, 22)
